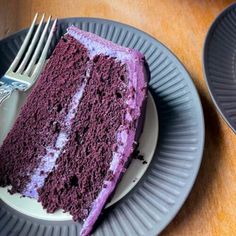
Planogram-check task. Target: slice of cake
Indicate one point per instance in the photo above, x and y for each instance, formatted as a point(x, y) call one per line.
point(74, 136)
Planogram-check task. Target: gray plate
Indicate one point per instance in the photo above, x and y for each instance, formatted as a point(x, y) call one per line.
point(219, 61)
point(158, 196)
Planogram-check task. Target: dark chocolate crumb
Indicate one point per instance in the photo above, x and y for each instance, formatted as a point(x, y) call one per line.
point(135, 179)
point(118, 95)
point(77, 137)
point(64, 39)
point(122, 77)
point(59, 107)
point(56, 128)
point(73, 180)
point(138, 156)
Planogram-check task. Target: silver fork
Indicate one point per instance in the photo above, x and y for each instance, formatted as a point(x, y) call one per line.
point(23, 72)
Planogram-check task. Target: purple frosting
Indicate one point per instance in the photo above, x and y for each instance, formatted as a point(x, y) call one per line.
point(48, 160)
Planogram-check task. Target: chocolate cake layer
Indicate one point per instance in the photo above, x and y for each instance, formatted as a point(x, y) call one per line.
point(78, 128)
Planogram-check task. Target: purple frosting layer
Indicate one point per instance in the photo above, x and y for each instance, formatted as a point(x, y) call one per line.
point(48, 160)
point(127, 137)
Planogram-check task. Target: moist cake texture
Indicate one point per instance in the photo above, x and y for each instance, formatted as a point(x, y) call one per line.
point(74, 136)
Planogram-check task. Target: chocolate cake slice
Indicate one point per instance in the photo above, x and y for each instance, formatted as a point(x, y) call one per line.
point(78, 128)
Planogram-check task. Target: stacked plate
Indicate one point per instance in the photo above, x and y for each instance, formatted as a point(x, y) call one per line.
point(153, 202)
point(219, 62)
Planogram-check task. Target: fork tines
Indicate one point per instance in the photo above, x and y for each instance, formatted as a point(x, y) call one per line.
point(34, 43)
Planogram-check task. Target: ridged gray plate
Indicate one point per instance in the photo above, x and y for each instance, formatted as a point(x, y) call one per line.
point(158, 196)
point(219, 62)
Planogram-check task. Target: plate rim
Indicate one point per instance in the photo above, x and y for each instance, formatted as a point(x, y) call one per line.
point(204, 56)
point(192, 178)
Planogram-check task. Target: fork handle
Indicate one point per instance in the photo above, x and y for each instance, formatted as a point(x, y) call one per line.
point(5, 92)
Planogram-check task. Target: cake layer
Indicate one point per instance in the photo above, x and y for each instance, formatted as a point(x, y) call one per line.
point(78, 128)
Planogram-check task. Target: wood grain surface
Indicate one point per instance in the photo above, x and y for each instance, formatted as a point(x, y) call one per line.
point(181, 25)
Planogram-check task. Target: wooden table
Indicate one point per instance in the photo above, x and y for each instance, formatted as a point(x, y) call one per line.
point(181, 25)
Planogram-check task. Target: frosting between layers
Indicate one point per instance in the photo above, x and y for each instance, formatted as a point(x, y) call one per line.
point(47, 162)
point(125, 136)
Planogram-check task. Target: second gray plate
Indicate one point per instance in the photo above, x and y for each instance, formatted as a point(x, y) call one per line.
point(219, 61)
point(158, 196)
